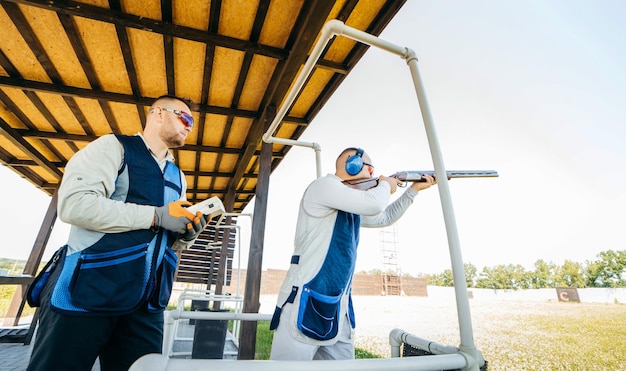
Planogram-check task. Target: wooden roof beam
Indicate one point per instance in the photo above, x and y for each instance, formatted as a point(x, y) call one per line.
point(116, 17)
point(29, 150)
point(113, 97)
point(209, 53)
point(25, 171)
point(243, 74)
point(16, 162)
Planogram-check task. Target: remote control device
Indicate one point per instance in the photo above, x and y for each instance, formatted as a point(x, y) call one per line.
point(211, 206)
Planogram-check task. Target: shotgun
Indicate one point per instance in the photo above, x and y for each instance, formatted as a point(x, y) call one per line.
point(418, 176)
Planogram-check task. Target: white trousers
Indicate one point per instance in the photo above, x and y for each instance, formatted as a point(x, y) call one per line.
point(286, 347)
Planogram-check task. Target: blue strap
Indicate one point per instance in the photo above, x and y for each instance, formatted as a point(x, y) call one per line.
point(292, 296)
point(279, 310)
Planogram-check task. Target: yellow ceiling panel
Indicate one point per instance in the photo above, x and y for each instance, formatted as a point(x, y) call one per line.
point(18, 52)
point(63, 147)
point(238, 130)
point(61, 113)
point(16, 151)
point(92, 111)
point(50, 33)
point(259, 76)
point(208, 160)
point(228, 162)
point(237, 18)
point(317, 82)
point(9, 117)
point(105, 55)
point(226, 67)
point(214, 127)
point(127, 118)
point(42, 148)
point(279, 22)
point(192, 13)
point(186, 160)
point(189, 59)
point(149, 61)
point(144, 8)
point(28, 108)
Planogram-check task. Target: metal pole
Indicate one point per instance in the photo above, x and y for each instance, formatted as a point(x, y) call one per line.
point(458, 270)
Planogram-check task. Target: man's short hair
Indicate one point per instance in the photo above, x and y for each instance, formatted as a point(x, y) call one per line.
point(166, 97)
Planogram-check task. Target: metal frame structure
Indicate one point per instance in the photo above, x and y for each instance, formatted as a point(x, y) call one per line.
point(337, 28)
point(466, 356)
point(172, 318)
point(170, 333)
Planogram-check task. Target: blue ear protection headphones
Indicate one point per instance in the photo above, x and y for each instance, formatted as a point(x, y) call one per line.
point(354, 163)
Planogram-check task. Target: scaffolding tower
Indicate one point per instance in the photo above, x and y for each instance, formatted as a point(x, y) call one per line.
point(391, 275)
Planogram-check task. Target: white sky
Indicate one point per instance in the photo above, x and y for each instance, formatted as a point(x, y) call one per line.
point(533, 89)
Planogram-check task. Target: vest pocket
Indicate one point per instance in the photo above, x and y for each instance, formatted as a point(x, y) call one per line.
point(34, 293)
point(110, 281)
point(164, 281)
point(318, 315)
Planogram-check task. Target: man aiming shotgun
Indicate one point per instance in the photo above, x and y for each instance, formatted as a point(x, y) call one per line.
point(314, 318)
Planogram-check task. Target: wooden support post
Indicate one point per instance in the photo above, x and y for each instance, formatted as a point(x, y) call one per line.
point(32, 264)
point(247, 336)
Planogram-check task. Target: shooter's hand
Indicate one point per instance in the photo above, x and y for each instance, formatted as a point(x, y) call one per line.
point(393, 182)
point(195, 227)
point(426, 183)
point(173, 216)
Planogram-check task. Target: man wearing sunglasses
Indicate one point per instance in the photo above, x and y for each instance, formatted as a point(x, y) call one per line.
point(314, 319)
point(125, 200)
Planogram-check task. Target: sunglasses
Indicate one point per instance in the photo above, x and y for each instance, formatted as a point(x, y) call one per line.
point(186, 118)
point(371, 170)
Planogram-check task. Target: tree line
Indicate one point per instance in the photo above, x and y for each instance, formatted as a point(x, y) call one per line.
point(608, 271)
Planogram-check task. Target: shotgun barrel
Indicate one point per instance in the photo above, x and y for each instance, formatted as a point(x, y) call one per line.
point(418, 175)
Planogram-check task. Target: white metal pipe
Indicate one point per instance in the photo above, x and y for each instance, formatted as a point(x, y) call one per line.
point(398, 337)
point(238, 230)
point(458, 270)
point(318, 161)
point(159, 362)
point(291, 142)
point(239, 254)
point(175, 315)
point(238, 243)
point(237, 306)
point(339, 28)
point(168, 329)
point(315, 146)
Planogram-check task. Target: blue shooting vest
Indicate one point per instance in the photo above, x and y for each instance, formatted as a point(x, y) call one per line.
point(123, 271)
point(319, 307)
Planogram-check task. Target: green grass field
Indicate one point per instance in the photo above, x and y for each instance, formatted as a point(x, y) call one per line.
point(512, 335)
